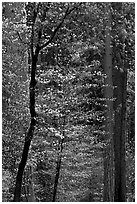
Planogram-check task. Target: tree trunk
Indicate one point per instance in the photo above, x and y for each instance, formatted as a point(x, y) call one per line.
point(58, 165)
point(106, 175)
point(120, 81)
point(57, 171)
point(108, 150)
point(56, 178)
point(29, 135)
point(119, 105)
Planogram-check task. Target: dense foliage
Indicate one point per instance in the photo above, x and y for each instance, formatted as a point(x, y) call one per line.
point(66, 155)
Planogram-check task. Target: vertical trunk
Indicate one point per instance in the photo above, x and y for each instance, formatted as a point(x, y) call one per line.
point(120, 82)
point(58, 166)
point(56, 178)
point(57, 172)
point(108, 151)
point(108, 190)
point(123, 138)
point(119, 105)
point(29, 135)
point(106, 184)
point(17, 192)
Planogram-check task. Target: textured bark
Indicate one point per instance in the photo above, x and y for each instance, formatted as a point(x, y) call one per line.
point(108, 94)
point(119, 105)
point(120, 81)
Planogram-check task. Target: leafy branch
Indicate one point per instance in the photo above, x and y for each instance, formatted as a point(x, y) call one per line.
point(67, 12)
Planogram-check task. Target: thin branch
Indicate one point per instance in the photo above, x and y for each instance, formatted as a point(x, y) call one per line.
point(20, 38)
point(32, 38)
point(38, 6)
point(55, 31)
point(58, 27)
point(35, 13)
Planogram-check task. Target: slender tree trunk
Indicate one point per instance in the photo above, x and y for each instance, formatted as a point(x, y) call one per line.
point(17, 193)
point(58, 165)
point(57, 171)
point(108, 150)
point(56, 178)
point(30, 132)
point(29, 135)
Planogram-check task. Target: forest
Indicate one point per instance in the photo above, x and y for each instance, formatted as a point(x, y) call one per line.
point(68, 101)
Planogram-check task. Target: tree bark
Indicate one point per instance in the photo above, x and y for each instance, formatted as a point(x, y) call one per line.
point(120, 81)
point(108, 93)
point(106, 173)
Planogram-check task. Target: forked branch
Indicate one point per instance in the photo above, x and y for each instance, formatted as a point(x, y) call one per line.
point(67, 12)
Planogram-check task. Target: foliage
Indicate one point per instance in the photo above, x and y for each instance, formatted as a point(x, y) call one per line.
point(69, 96)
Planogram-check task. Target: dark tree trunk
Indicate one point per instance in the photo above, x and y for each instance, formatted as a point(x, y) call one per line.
point(120, 81)
point(29, 135)
point(119, 105)
point(56, 178)
point(106, 175)
point(17, 193)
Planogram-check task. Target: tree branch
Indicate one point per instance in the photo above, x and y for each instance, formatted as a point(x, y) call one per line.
point(35, 13)
point(20, 38)
point(58, 27)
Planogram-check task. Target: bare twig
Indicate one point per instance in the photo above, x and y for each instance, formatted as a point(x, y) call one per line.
point(20, 38)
